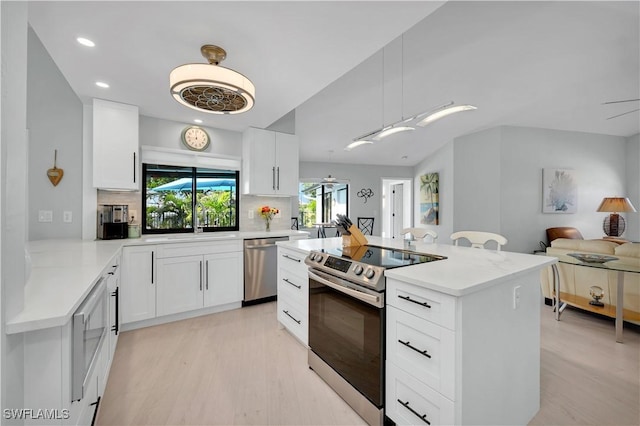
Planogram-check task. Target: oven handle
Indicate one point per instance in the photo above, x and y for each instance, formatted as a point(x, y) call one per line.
point(376, 301)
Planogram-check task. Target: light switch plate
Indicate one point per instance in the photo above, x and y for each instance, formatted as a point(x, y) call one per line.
point(45, 216)
point(67, 216)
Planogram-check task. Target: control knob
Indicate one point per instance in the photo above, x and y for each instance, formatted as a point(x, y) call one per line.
point(357, 270)
point(369, 273)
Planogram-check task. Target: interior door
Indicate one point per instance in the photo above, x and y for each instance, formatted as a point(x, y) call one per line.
point(397, 212)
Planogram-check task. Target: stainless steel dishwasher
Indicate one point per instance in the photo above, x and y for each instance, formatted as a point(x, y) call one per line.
point(260, 269)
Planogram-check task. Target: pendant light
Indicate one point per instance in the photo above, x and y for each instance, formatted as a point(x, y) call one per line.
point(401, 125)
point(210, 87)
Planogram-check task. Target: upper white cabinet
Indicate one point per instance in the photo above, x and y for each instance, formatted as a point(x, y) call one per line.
point(116, 159)
point(269, 163)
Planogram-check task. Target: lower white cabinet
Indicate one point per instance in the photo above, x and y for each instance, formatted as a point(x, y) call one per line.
point(180, 277)
point(470, 359)
point(293, 293)
point(138, 289)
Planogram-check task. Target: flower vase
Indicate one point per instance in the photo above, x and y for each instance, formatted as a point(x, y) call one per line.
point(268, 225)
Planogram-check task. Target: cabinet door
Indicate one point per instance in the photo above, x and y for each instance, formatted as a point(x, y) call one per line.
point(138, 289)
point(115, 146)
point(180, 284)
point(223, 283)
point(287, 164)
point(258, 162)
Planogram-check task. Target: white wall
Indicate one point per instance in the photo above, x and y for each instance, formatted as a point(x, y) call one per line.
point(440, 162)
point(13, 213)
point(359, 177)
point(633, 187)
point(54, 120)
point(498, 181)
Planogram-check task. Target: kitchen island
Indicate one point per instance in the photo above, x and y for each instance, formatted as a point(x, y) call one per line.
point(462, 334)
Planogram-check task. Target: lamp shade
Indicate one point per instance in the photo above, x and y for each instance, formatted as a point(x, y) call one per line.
point(614, 224)
point(615, 205)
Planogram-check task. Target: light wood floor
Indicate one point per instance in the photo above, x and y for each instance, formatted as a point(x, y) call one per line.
point(238, 367)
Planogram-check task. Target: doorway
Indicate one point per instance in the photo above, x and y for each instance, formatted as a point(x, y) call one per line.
point(396, 206)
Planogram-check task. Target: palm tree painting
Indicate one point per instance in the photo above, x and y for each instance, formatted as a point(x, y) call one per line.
point(429, 199)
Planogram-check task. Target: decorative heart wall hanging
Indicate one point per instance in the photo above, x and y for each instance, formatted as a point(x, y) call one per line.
point(55, 174)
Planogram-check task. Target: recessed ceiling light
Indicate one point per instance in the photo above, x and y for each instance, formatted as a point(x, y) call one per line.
point(85, 42)
point(197, 120)
point(102, 84)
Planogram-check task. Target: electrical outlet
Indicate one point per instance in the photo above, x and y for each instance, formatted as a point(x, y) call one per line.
point(133, 215)
point(516, 297)
point(250, 214)
point(67, 216)
point(45, 216)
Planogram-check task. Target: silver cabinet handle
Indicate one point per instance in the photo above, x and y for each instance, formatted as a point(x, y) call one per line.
point(201, 275)
point(286, 280)
point(292, 317)
point(273, 177)
point(151, 266)
point(291, 258)
point(278, 181)
point(134, 167)
point(207, 274)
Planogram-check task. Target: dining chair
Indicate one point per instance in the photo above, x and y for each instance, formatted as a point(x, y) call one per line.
point(365, 224)
point(294, 223)
point(420, 233)
point(478, 238)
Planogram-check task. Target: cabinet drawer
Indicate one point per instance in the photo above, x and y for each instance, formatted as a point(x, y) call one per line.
point(408, 400)
point(191, 249)
point(294, 319)
point(430, 305)
point(292, 261)
point(423, 349)
point(294, 285)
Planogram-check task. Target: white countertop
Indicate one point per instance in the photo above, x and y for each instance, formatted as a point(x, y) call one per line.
point(466, 270)
point(63, 272)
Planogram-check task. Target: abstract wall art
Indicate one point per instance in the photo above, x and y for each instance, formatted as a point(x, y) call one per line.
point(559, 191)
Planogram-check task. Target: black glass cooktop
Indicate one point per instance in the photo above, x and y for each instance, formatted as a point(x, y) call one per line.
point(384, 257)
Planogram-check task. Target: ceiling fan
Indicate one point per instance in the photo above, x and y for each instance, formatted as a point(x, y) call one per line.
point(619, 102)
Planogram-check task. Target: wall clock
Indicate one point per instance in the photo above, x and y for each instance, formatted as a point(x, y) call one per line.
point(195, 138)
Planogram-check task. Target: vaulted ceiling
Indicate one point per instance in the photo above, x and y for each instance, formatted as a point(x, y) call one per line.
point(346, 68)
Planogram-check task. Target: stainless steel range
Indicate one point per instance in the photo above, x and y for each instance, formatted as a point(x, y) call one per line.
point(346, 321)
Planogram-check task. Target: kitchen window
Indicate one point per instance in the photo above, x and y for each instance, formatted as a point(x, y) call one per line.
point(170, 205)
point(321, 202)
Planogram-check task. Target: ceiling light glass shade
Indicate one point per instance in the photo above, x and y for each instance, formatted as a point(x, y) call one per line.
point(356, 144)
point(388, 131)
point(616, 204)
point(443, 113)
point(212, 88)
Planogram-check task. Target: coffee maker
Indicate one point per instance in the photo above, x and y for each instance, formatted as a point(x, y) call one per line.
point(113, 221)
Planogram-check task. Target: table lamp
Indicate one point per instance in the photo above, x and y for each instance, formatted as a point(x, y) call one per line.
point(614, 224)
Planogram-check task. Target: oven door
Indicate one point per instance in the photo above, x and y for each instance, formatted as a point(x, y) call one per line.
point(346, 330)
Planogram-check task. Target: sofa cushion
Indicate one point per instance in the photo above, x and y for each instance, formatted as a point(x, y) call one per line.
point(628, 250)
point(589, 246)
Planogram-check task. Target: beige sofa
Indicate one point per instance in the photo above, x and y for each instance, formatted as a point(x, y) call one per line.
point(576, 280)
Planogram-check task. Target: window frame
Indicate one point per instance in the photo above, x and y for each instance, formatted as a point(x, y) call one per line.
point(204, 172)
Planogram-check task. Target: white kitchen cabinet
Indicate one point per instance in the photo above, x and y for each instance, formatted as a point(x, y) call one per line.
point(116, 159)
point(293, 293)
point(138, 289)
point(180, 284)
point(269, 163)
point(223, 278)
point(470, 359)
point(199, 275)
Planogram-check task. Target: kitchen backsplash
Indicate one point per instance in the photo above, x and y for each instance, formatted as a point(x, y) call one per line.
point(247, 203)
point(253, 203)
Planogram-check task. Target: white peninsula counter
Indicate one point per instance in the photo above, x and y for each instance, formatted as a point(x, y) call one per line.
point(476, 313)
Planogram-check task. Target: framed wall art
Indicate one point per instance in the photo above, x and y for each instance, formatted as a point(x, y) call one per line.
point(429, 199)
point(559, 191)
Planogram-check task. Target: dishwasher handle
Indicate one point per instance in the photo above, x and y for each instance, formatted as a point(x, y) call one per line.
point(261, 246)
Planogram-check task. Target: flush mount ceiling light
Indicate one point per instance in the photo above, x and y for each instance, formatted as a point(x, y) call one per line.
point(210, 87)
